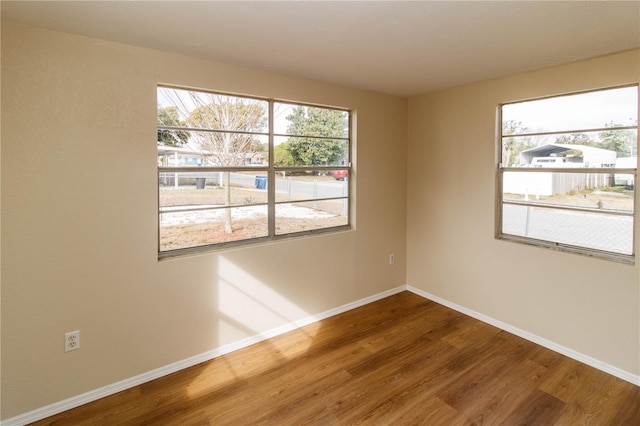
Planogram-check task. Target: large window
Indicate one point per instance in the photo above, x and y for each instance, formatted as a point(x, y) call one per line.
point(233, 169)
point(567, 172)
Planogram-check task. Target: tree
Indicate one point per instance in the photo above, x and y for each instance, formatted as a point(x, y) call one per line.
point(228, 146)
point(623, 142)
point(576, 139)
point(168, 116)
point(513, 146)
point(282, 155)
point(320, 122)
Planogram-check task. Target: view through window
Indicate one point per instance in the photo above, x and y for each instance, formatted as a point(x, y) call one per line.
point(234, 168)
point(567, 172)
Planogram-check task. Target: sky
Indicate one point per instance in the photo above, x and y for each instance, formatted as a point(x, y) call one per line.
point(583, 111)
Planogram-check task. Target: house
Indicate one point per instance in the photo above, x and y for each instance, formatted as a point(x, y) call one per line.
point(174, 156)
point(79, 193)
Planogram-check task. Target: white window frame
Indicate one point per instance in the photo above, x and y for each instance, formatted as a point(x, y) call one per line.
point(271, 170)
point(501, 169)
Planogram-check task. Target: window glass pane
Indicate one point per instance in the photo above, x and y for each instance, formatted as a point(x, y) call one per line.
point(204, 227)
point(310, 185)
point(300, 120)
point(581, 209)
point(607, 108)
point(183, 190)
point(216, 149)
point(588, 149)
point(596, 191)
point(300, 152)
point(307, 216)
point(592, 230)
point(187, 108)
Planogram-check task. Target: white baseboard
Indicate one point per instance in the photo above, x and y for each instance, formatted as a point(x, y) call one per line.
point(578, 356)
point(94, 395)
point(113, 388)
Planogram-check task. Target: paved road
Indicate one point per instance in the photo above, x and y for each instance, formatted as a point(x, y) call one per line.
point(299, 189)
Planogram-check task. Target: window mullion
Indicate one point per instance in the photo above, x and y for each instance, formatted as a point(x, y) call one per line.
point(271, 176)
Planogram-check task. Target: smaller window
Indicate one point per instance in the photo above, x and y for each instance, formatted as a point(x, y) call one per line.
point(567, 172)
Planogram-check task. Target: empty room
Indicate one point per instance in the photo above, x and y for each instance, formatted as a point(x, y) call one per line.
point(385, 212)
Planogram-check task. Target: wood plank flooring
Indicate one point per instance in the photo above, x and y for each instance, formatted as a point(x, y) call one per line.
point(402, 360)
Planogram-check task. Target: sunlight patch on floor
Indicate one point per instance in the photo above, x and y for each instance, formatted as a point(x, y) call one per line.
point(249, 308)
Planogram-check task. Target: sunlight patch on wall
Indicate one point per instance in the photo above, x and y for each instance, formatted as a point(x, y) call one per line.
point(249, 307)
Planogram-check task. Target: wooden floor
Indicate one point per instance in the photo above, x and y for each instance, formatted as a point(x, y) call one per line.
point(401, 360)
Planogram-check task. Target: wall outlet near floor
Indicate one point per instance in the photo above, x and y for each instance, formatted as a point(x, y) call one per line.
point(72, 341)
point(392, 259)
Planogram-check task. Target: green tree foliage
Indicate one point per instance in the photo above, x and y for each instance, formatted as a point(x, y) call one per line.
point(168, 116)
point(320, 122)
point(282, 155)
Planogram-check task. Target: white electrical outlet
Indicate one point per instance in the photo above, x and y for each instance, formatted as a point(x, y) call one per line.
point(72, 341)
point(392, 259)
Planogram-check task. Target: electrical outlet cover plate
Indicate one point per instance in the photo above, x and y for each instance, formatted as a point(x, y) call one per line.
point(72, 341)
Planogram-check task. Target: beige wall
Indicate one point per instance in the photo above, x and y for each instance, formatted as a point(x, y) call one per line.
point(587, 305)
point(79, 194)
point(79, 221)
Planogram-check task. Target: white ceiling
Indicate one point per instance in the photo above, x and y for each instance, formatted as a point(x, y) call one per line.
point(397, 47)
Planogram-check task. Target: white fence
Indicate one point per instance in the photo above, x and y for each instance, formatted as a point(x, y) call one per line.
point(550, 183)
